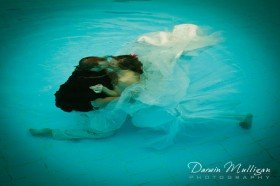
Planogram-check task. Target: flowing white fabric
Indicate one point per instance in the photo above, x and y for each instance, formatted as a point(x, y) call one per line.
point(187, 78)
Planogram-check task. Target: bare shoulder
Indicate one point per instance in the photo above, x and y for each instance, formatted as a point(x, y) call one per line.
point(128, 77)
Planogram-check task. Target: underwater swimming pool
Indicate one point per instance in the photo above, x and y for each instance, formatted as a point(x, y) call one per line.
point(42, 41)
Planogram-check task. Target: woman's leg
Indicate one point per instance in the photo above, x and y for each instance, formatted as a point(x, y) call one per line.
point(70, 134)
point(41, 132)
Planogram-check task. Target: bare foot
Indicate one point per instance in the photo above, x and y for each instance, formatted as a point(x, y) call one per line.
point(41, 132)
point(247, 122)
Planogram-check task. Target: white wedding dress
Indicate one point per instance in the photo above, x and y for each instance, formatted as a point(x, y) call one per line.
point(187, 79)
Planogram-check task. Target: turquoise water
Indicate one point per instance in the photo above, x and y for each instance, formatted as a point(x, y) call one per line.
point(42, 41)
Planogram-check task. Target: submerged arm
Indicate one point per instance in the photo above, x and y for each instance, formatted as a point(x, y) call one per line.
point(114, 93)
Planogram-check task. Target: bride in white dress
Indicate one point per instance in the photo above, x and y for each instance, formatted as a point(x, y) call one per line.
point(186, 80)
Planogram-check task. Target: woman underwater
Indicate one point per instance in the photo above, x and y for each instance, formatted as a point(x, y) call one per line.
point(76, 95)
point(182, 79)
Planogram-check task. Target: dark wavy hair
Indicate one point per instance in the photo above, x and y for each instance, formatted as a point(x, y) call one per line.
point(129, 62)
